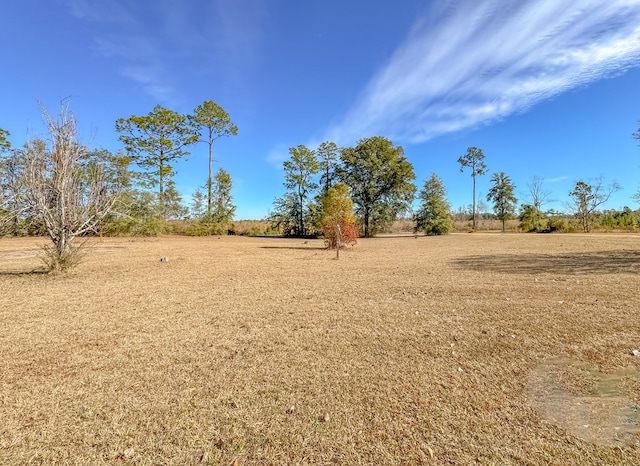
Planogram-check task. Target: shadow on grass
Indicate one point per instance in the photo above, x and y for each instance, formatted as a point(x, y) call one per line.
point(19, 273)
point(304, 248)
point(595, 262)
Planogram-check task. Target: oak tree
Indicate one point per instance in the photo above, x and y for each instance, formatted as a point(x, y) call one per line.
point(380, 181)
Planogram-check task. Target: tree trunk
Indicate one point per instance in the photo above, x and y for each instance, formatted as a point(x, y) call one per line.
point(473, 209)
point(366, 223)
point(301, 231)
point(161, 192)
point(210, 180)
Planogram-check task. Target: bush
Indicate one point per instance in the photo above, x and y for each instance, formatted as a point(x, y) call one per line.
point(338, 222)
point(562, 225)
point(531, 219)
point(135, 226)
point(206, 228)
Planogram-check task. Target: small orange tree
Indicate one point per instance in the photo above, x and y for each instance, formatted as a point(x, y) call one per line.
point(338, 220)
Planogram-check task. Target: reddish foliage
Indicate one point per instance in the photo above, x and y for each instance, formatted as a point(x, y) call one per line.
point(348, 232)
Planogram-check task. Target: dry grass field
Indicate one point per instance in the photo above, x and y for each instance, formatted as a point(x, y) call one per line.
point(479, 348)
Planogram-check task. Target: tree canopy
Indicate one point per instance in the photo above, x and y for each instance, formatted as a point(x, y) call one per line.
point(434, 214)
point(586, 198)
point(328, 155)
point(380, 180)
point(155, 141)
point(473, 159)
point(338, 220)
point(214, 121)
point(4, 140)
point(299, 178)
point(502, 195)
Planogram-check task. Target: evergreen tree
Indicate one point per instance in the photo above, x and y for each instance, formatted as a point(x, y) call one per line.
point(215, 122)
point(380, 180)
point(221, 200)
point(434, 214)
point(473, 159)
point(155, 141)
point(299, 179)
point(504, 200)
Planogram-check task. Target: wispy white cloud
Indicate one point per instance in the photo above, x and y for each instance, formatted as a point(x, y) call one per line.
point(150, 40)
point(468, 63)
point(99, 11)
point(557, 179)
point(277, 155)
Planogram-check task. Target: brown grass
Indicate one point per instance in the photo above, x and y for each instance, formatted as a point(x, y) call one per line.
point(466, 349)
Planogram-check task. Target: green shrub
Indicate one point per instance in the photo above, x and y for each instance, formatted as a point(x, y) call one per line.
point(206, 228)
point(563, 225)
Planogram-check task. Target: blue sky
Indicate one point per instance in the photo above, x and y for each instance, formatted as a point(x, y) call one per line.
point(546, 88)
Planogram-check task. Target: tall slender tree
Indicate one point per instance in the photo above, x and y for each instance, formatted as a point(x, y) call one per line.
point(473, 159)
point(299, 172)
point(4, 140)
point(328, 155)
point(9, 188)
point(212, 120)
point(223, 208)
point(502, 195)
point(636, 135)
point(155, 142)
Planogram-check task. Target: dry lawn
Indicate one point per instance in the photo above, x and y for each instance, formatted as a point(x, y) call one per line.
point(466, 349)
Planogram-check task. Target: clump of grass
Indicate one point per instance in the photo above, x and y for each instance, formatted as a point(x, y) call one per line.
point(57, 259)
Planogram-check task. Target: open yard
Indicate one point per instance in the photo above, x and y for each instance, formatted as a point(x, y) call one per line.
point(465, 349)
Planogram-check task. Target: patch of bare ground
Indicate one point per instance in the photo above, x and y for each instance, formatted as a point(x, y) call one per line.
point(466, 349)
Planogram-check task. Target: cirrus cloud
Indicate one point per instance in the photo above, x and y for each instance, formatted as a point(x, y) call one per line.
point(471, 63)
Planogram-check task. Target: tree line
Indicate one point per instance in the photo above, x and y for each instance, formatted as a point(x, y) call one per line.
point(141, 174)
point(380, 182)
point(59, 187)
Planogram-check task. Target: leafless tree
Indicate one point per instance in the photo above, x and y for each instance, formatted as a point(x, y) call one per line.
point(587, 198)
point(69, 197)
point(538, 195)
point(11, 192)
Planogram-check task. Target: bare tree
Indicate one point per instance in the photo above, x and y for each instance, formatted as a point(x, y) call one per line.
point(70, 198)
point(12, 210)
point(586, 198)
point(6, 177)
point(537, 194)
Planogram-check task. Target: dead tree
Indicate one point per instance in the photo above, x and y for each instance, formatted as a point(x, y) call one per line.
point(69, 197)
